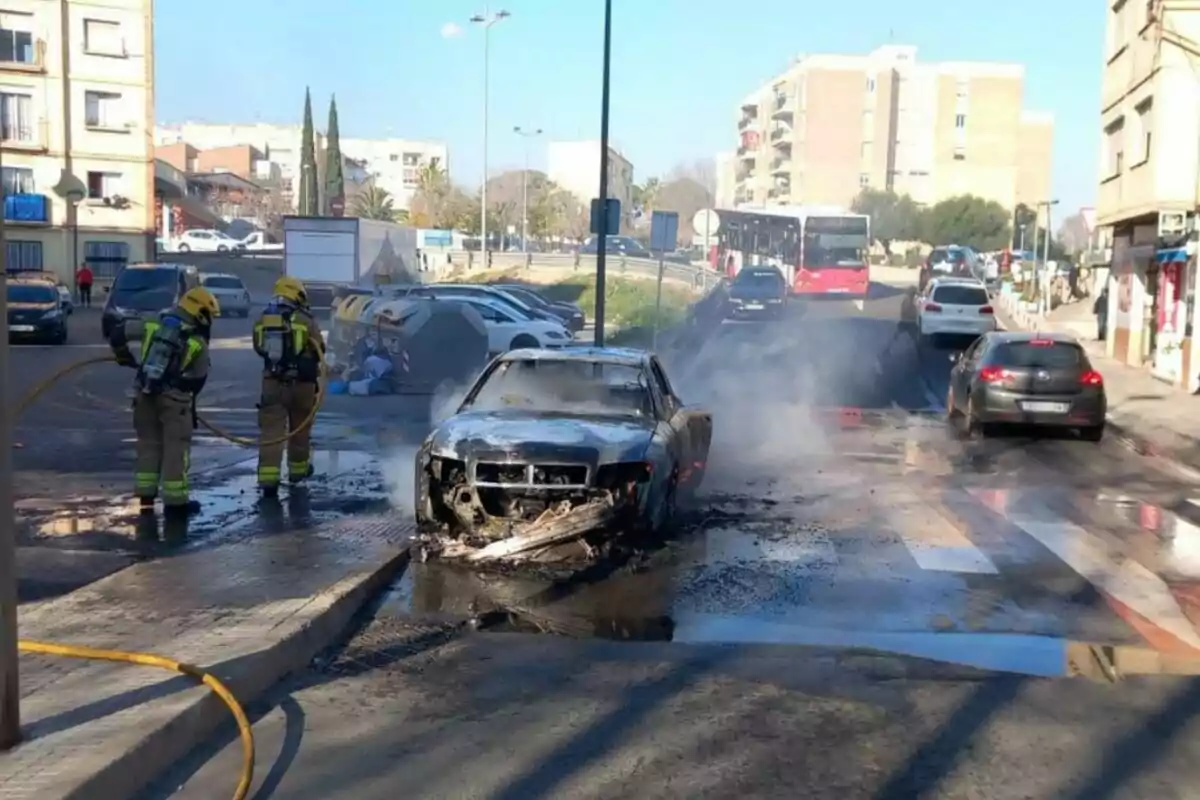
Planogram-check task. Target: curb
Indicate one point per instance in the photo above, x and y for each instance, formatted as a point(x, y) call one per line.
point(326, 619)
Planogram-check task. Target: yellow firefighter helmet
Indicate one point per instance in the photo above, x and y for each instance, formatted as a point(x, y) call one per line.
point(201, 304)
point(292, 289)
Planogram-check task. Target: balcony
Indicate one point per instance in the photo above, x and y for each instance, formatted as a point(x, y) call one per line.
point(27, 55)
point(782, 107)
point(746, 153)
point(781, 166)
point(779, 133)
point(27, 209)
point(748, 123)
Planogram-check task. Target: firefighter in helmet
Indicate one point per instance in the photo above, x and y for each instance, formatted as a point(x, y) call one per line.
point(172, 366)
point(289, 341)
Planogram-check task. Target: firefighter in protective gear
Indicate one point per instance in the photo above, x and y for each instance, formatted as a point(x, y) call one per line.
point(172, 366)
point(292, 349)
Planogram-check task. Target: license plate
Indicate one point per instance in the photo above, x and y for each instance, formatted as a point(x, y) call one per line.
point(838, 291)
point(20, 329)
point(754, 306)
point(1046, 408)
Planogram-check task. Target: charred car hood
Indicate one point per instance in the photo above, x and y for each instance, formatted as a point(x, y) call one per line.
point(522, 434)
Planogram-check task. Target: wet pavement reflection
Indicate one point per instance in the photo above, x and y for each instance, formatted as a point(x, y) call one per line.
point(881, 538)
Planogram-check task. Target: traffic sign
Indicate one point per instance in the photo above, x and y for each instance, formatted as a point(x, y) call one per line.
point(664, 231)
point(608, 221)
point(706, 222)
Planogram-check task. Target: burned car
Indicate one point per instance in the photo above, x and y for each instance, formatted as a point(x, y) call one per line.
point(555, 452)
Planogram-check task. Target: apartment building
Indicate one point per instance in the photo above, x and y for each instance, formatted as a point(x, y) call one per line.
point(76, 96)
point(833, 125)
point(1150, 183)
point(394, 164)
point(726, 165)
point(575, 166)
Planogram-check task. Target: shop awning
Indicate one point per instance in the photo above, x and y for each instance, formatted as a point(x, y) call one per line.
point(1172, 255)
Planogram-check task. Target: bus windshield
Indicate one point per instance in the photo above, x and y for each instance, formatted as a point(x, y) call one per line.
point(835, 242)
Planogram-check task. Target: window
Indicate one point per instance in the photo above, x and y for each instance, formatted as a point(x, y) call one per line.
point(16, 41)
point(23, 256)
point(1114, 147)
point(864, 180)
point(103, 184)
point(871, 84)
point(103, 38)
point(960, 154)
point(960, 121)
point(18, 180)
point(108, 258)
point(103, 110)
point(1116, 30)
point(16, 117)
point(412, 159)
point(394, 157)
point(1145, 124)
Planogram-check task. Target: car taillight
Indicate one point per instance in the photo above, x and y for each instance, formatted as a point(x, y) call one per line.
point(932, 307)
point(986, 310)
point(994, 374)
point(1091, 378)
point(1041, 343)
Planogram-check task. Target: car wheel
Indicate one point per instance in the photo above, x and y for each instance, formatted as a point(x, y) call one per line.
point(1092, 434)
point(62, 336)
point(951, 411)
point(523, 340)
point(972, 427)
point(185, 248)
point(670, 505)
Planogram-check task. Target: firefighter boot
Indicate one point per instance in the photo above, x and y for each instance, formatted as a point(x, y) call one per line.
point(184, 510)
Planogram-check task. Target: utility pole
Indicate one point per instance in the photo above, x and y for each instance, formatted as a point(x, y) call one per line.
point(10, 689)
point(1044, 273)
point(526, 135)
point(487, 19)
point(603, 236)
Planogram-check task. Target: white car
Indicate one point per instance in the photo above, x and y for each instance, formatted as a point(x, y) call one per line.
point(230, 292)
point(207, 241)
point(955, 307)
point(509, 328)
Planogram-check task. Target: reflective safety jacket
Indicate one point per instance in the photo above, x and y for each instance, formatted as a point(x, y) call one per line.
point(289, 341)
point(173, 356)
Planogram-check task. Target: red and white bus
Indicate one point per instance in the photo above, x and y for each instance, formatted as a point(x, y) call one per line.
point(822, 252)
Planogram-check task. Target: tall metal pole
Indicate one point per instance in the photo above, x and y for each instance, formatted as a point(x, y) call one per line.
point(603, 235)
point(487, 19)
point(10, 704)
point(526, 135)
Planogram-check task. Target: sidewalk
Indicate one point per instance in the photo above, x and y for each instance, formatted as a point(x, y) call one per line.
point(252, 612)
point(1154, 417)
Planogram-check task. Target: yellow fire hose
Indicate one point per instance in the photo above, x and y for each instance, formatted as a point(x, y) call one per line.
point(245, 730)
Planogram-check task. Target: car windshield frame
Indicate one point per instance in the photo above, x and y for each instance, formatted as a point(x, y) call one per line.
point(962, 288)
point(574, 379)
point(138, 297)
point(1000, 355)
point(210, 282)
point(16, 289)
point(759, 277)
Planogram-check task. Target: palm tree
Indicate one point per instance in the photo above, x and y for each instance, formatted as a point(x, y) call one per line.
point(647, 194)
point(374, 202)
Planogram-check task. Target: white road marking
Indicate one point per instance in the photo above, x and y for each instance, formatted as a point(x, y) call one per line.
point(936, 544)
point(1125, 580)
point(859, 304)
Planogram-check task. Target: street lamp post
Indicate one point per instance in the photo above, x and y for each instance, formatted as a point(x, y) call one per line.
point(602, 236)
point(487, 19)
point(526, 135)
point(10, 703)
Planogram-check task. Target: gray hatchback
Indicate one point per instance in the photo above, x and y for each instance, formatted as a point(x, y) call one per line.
point(1021, 378)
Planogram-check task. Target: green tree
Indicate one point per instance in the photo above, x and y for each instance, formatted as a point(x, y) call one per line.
point(967, 220)
point(307, 205)
point(893, 217)
point(374, 202)
point(335, 178)
point(646, 195)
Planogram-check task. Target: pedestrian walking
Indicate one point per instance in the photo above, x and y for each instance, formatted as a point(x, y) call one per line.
point(289, 341)
point(83, 285)
point(1100, 309)
point(172, 366)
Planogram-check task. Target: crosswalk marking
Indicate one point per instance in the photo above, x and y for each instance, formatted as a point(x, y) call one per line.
point(1125, 580)
point(934, 542)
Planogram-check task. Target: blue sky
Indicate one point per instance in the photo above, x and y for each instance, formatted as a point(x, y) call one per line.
point(679, 68)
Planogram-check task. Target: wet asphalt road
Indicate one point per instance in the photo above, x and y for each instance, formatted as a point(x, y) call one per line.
point(838, 511)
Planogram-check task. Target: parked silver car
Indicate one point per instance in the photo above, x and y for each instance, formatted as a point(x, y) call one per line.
point(230, 292)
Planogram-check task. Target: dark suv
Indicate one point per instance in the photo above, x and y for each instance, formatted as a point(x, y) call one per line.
point(143, 290)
